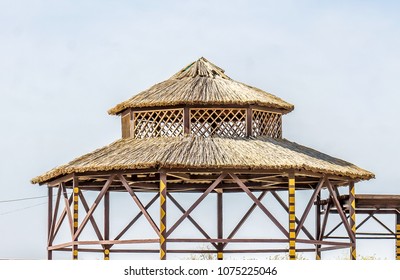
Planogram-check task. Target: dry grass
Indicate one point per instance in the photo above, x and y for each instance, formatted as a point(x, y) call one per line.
point(201, 83)
point(199, 152)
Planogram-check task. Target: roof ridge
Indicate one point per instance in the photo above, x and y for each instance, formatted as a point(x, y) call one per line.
point(201, 67)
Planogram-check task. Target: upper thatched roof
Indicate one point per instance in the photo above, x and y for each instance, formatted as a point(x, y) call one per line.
point(218, 153)
point(201, 83)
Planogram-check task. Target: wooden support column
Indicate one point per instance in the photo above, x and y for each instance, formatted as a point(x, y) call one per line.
point(292, 217)
point(318, 226)
point(75, 215)
point(352, 213)
point(49, 218)
point(107, 224)
point(220, 254)
point(186, 121)
point(249, 121)
point(163, 216)
point(398, 236)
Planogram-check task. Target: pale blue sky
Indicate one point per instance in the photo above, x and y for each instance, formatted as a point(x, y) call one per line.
point(64, 63)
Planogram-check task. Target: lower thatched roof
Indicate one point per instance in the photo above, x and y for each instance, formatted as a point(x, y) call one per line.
point(198, 152)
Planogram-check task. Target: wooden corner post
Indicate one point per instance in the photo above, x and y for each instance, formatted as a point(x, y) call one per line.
point(75, 215)
point(398, 236)
point(292, 217)
point(318, 225)
point(163, 216)
point(220, 254)
point(352, 213)
point(50, 218)
point(106, 252)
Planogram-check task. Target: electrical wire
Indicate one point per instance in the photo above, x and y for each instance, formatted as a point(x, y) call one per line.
point(22, 199)
point(21, 209)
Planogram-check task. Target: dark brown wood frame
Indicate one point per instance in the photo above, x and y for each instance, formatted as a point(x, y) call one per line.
point(220, 183)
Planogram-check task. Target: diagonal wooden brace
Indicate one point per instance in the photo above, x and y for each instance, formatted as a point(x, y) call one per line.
point(139, 204)
point(196, 203)
point(259, 204)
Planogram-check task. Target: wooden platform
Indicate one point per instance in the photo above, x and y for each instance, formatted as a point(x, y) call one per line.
point(385, 201)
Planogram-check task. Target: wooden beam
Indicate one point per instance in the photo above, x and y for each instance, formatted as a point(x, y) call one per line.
point(398, 236)
point(227, 240)
point(57, 181)
point(68, 209)
point(94, 206)
point(352, 214)
point(325, 221)
point(174, 201)
point(91, 218)
point(186, 120)
point(133, 221)
point(245, 217)
point(318, 225)
point(163, 216)
point(106, 224)
point(309, 205)
point(259, 204)
point(340, 211)
point(249, 122)
point(49, 218)
point(282, 203)
point(220, 225)
point(75, 200)
point(292, 215)
point(139, 204)
point(61, 219)
point(197, 202)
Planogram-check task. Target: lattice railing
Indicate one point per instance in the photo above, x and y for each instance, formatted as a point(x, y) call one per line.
point(159, 123)
point(267, 123)
point(205, 122)
point(218, 122)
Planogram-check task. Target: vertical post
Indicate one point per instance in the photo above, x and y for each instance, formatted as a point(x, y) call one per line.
point(49, 218)
point(163, 215)
point(220, 229)
point(75, 185)
point(352, 213)
point(398, 236)
point(249, 121)
point(292, 217)
point(318, 226)
point(107, 224)
point(186, 121)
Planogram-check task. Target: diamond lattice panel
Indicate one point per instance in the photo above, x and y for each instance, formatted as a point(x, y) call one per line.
point(160, 123)
point(267, 123)
point(218, 122)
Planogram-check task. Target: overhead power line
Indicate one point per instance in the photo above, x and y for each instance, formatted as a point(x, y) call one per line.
point(20, 209)
point(22, 199)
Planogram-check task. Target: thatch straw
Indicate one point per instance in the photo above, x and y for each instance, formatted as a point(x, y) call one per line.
point(198, 152)
point(202, 83)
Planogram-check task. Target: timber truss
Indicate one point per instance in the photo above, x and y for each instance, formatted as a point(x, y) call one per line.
point(370, 208)
point(70, 209)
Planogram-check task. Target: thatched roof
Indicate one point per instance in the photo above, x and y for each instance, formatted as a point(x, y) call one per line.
point(198, 152)
point(201, 83)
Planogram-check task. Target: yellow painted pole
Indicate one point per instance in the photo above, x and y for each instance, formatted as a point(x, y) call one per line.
point(292, 217)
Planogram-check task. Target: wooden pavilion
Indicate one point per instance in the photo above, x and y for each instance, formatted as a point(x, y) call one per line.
point(202, 132)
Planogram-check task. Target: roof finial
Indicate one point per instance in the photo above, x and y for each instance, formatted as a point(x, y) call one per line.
point(201, 67)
